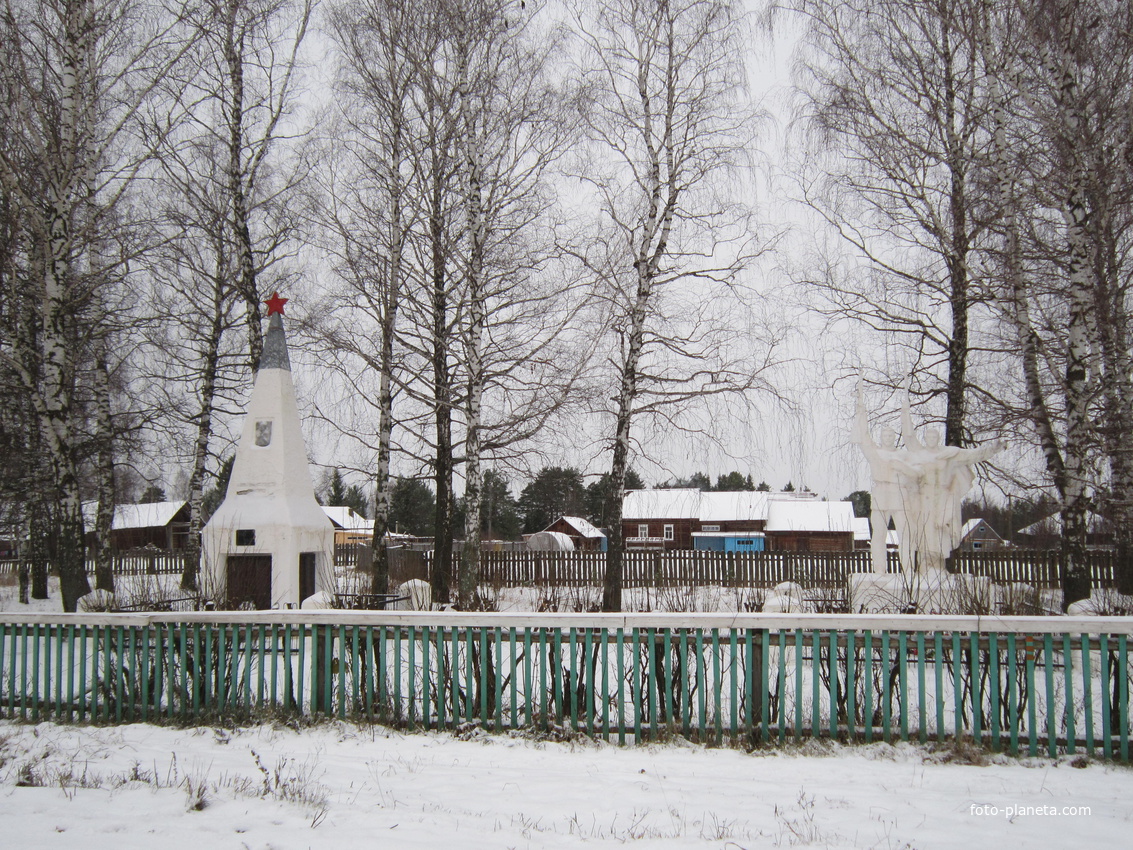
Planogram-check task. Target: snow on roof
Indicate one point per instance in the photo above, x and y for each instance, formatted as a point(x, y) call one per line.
point(1095, 524)
point(974, 523)
point(860, 525)
point(150, 515)
point(661, 504)
point(799, 515)
point(740, 506)
point(343, 517)
point(583, 526)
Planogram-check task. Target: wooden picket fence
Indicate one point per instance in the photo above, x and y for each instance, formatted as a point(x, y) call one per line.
point(1021, 685)
point(677, 568)
point(761, 570)
point(131, 562)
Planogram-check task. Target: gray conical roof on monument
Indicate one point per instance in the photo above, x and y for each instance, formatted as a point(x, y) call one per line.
point(274, 355)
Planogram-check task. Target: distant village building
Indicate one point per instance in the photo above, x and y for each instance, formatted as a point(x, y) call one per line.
point(1047, 533)
point(349, 527)
point(158, 525)
point(585, 535)
point(743, 521)
point(978, 536)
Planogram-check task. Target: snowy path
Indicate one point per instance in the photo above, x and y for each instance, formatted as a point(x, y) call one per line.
point(338, 785)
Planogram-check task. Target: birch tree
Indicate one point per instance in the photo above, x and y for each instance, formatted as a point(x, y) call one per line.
point(514, 127)
point(1068, 82)
point(82, 71)
point(667, 126)
point(896, 107)
point(371, 212)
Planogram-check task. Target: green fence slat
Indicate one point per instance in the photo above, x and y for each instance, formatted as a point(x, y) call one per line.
point(851, 686)
point(684, 696)
point(780, 691)
point(208, 672)
point(1032, 700)
point(717, 687)
point(1013, 693)
point(1088, 694)
point(5, 668)
point(977, 693)
point(70, 667)
point(834, 667)
point(276, 639)
point(1103, 672)
point(635, 688)
point(1051, 714)
point(798, 685)
point(35, 673)
point(1123, 692)
point(867, 711)
point(1068, 695)
point(515, 678)
point(957, 687)
point(543, 664)
point(426, 679)
point(938, 671)
point(292, 690)
point(356, 670)
point(667, 677)
point(815, 683)
point(903, 683)
point(733, 684)
point(887, 694)
point(588, 679)
point(994, 683)
point(922, 704)
point(144, 665)
point(48, 678)
point(572, 680)
point(260, 641)
point(621, 676)
point(529, 697)
point(119, 673)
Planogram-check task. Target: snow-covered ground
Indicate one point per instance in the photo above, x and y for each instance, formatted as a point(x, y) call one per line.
point(339, 785)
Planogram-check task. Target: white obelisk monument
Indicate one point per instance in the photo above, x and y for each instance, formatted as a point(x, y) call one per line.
point(269, 544)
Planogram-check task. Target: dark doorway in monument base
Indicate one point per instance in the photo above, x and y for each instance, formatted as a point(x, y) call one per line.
point(249, 581)
point(307, 561)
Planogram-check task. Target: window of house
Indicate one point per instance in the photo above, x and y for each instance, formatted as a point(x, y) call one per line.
point(245, 537)
point(669, 532)
point(643, 531)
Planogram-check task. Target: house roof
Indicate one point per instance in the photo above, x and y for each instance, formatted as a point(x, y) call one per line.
point(343, 517)
point(800, 515)
point(1095, 524)
point(661, 504)
point(150, 515)
point(583, 526)
point(974, 523)
point(738, 506)
point(860, 525)
point(781, 512)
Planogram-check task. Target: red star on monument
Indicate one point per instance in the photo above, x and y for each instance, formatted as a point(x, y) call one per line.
point(275, 304)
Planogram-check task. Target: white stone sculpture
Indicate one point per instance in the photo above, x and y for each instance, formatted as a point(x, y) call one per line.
point(886, 501)
point(922, 487)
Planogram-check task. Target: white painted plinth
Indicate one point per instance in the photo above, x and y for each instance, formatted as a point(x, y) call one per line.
point(929, 592)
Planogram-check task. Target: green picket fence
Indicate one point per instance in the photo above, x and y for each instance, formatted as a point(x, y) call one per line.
point(1023, 685)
